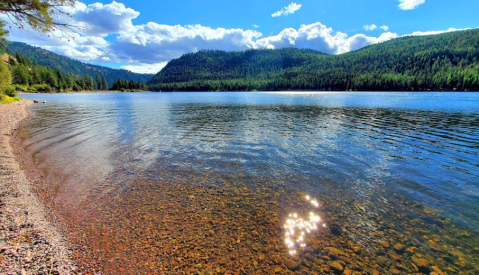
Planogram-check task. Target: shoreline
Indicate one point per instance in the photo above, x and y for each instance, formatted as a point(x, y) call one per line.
point(83, 92)
point(29, 242)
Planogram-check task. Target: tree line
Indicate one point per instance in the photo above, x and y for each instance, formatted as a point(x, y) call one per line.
point(21, 74)
point(68, 65)
point(443, 62)
point(29, 76)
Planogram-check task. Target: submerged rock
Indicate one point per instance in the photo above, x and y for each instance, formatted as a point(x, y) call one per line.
point(422, 264)
point(336, 267)
point(291, 265)
point(335, 229)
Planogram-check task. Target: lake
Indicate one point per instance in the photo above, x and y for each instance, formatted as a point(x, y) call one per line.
point(262, 183)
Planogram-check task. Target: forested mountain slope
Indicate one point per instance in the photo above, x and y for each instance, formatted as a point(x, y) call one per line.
point(69, 66)
point(448, 61)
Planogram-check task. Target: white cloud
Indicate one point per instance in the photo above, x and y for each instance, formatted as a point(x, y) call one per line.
point(154, 42)
point(319, 37)
point(145, 68)
point(290, 9)
point(255, 26)
point(384, 27)
point(410, 4)
point(419, 33)
point(370, 27)
point(101, 20)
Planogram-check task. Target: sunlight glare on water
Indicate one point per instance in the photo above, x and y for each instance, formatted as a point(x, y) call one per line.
point(297, 227)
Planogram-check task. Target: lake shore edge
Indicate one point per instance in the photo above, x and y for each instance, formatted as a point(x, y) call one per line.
point(29, 242)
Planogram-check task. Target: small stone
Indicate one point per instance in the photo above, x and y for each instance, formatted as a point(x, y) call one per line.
point(411, 249)
point(334, 253)
point(399, 247)
point(394, 256)
point(348, 272)
point(291, 265)
point(335, 229)
point(309, 257)
point(212, 233)
point(316, 247)
point(385, 244)
point(422, 264)
point(394, 271)
point(277, 259)
point(381, 260)
point(435, 247)
point(357, 249)
point(255, 246)
point(336, 266)
point(437, 270)
point(255, 233)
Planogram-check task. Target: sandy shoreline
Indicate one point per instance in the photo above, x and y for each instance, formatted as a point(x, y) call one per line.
point(29, 243)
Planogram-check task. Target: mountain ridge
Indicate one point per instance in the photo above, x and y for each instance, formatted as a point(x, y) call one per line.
point(68, 65)
point(447, 61)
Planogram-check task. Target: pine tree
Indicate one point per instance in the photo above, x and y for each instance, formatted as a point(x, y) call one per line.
point(98, 84)
point(104, 83)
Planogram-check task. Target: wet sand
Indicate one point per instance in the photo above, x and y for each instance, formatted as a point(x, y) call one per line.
point(29, 243)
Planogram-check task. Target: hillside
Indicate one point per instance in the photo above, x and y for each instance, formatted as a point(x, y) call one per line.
point(446, 61)
point(67, 65)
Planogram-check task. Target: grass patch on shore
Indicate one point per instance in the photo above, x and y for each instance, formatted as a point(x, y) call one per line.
point(5, 99)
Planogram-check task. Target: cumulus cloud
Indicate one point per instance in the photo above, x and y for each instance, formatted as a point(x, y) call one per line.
point(370, 27)
point(319, 37)
point(290, 9)
point(145, 68)
point(410, 4)
point(161, 43)
point(384, 27)
point(100, 20)
point(420, 33)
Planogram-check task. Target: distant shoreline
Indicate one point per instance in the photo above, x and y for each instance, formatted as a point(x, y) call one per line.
point(85, 92)
point(30, 243)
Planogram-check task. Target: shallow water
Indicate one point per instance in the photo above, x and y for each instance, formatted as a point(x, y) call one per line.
point(140, 177)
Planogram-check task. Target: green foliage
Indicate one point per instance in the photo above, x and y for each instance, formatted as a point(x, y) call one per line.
point(5, 75)
point(3, 33)
point(35, 13)
point(104, 83)
point(124, 85)
point(438, 62)
point(10, 91)
point(73, 67)
point(4, 99)
point(29, 76)
point(39, 88)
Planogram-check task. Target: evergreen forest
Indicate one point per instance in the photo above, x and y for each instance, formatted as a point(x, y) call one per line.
point(443, 62)
point(70, 66)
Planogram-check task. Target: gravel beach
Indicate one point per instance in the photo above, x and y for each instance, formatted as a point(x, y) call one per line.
point(29, 243)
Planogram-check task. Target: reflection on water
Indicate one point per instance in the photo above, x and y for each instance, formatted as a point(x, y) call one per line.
point(207, 181)
point(296, 228)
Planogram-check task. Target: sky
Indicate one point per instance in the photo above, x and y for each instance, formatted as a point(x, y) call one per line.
point(143, 35)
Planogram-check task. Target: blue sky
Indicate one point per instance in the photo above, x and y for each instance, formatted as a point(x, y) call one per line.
point(143, 36)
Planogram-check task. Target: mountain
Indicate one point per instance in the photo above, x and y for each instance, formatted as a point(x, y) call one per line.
point(68, 65)
point(448, 61)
